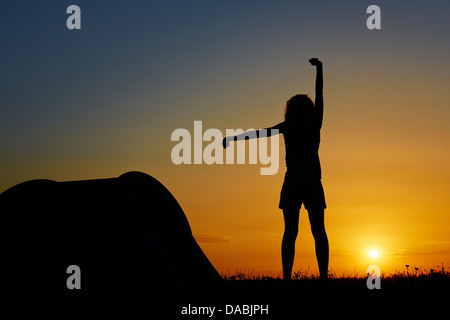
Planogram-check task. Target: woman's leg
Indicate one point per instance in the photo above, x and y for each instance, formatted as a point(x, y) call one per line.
point(291, 217)
point(317, 220)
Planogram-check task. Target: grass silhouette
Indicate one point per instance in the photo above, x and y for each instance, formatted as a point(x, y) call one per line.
point(412, 282)
point(286, 299)
point(409, 273)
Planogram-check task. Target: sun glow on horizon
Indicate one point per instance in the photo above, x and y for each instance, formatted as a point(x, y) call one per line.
point(373, 253)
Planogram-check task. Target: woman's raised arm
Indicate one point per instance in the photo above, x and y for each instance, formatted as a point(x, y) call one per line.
point(318, 111)
point(276, 129)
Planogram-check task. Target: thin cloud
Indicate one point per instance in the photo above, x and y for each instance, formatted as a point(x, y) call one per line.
point(437, 242)
point(399, 253)
point(210, 238)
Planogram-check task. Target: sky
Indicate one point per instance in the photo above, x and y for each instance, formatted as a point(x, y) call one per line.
point(104, 100)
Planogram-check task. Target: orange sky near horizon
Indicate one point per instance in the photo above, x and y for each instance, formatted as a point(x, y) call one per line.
point(386, 189)
point(385, 175)
point(385, 148)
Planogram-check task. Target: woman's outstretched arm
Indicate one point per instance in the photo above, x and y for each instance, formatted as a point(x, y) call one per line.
point(254, 134)
point(318, 112)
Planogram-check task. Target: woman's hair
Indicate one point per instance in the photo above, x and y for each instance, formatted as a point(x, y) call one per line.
point(299, 108)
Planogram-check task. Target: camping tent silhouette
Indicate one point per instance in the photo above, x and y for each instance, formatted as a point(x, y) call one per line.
point(127, 233)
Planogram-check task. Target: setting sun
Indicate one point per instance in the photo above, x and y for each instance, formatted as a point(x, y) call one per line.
point(373, 253)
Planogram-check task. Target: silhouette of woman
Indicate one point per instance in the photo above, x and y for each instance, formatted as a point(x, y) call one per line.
point(302, 181)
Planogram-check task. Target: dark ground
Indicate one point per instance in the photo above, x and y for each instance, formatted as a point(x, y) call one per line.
point(284, 300)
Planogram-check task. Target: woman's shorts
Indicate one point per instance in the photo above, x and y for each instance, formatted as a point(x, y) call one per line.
point(298, 189)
